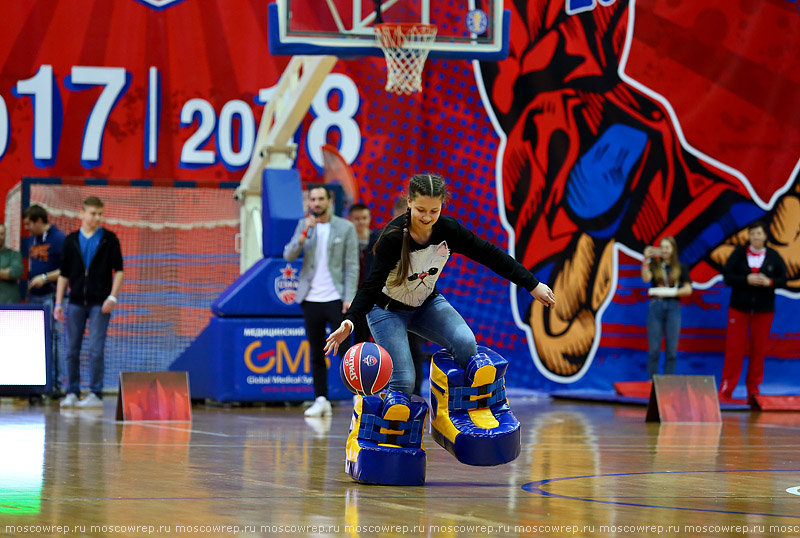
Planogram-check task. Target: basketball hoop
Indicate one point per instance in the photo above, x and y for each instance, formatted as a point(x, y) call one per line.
point(405, 48)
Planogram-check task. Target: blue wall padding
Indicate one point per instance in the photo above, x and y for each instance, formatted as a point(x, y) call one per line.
point(282, 206)
point(262, 291)
point(254, 359)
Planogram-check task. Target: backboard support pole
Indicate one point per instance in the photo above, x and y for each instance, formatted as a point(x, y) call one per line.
point(274, 148)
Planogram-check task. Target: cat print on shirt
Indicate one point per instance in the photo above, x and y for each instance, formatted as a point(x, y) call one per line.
point(426, 267)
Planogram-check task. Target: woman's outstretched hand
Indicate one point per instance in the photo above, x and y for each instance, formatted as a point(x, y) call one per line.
point(543, 294)
point(336, 338)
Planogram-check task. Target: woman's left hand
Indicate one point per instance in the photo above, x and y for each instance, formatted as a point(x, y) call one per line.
point(544, 294)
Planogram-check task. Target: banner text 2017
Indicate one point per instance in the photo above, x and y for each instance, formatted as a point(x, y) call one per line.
point(233, 128)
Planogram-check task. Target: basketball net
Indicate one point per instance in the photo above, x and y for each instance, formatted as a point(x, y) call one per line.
point(405, 59)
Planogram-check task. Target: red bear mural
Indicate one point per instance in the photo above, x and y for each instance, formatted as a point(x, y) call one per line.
point(596, 162)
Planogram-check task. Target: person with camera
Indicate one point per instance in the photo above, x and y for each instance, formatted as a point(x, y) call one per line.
point(669, 280)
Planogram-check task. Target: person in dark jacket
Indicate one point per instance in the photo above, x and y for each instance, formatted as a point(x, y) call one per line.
point(360, 216)
point(91, 265)
point(753, 272)
point(400, 293)
point(415, 342)
point(44, 258)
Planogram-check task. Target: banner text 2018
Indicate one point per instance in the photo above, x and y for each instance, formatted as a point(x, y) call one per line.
point(233, 127)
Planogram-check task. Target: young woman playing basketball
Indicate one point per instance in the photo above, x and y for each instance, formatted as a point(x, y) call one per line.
point(400, 293)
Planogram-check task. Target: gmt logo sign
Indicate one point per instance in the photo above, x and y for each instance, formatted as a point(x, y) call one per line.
point(279, 360)
point(288, 363)
point(286, 285)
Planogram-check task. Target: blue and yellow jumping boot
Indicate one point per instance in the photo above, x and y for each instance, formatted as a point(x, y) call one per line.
point(470, 416)
point(384, 445)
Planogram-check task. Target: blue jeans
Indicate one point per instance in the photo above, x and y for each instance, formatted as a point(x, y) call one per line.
point(663, 321)
point(47, 300)
point(436, 321)
point(77, 315)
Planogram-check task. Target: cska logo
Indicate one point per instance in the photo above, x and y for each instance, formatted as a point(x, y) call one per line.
point(369, 360)
point(286, 285)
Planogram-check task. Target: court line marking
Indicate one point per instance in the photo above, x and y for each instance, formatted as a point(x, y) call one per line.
point(164, 426)
point(794, 491)
point(778, 426)
point(148, 423)
point(378, 498)
point(536, 488)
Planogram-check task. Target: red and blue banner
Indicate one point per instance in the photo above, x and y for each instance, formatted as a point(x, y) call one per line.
point(610, 125)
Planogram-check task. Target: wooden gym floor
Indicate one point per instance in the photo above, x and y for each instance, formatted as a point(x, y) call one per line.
point(585, 470)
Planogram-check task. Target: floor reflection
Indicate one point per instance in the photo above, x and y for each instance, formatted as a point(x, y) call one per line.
point(266, 467)
point(22, 465)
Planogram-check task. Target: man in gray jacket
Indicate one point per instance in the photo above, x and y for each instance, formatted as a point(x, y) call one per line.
point(328, 281)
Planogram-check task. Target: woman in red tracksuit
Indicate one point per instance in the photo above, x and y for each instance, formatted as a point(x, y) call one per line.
point(753, 272)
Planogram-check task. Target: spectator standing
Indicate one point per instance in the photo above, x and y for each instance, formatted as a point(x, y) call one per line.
point(328, 281)
point(44, 259)
point(753, 272)
point(670, 281)
point(10, 271)
point(91, 266)
point(359, 215)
